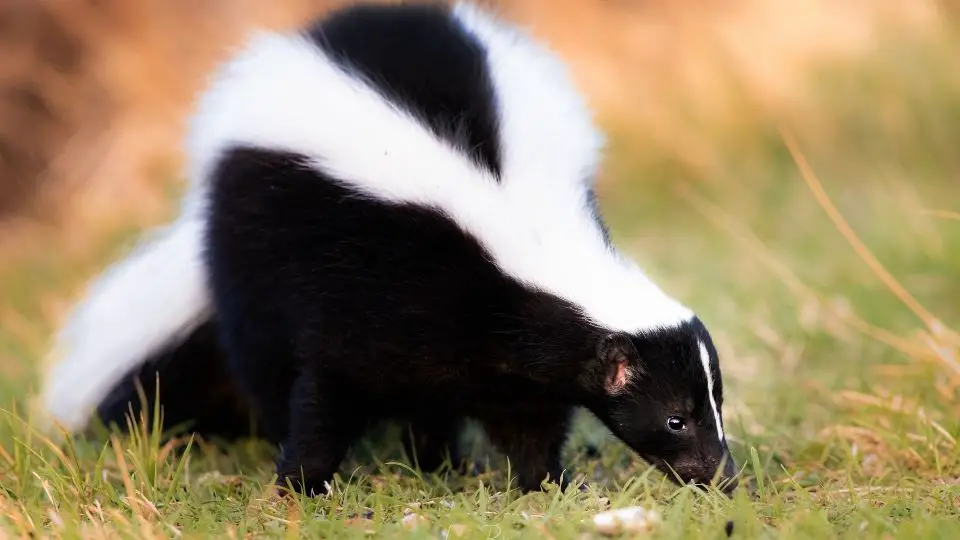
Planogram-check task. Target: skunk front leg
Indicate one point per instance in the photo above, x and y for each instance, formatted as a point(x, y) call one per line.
point(428, 441)
point(532, 438)
point(323, 425)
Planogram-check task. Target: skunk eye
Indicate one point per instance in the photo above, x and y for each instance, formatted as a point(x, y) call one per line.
point(675, 423)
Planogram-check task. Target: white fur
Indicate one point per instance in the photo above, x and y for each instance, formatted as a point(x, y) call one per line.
point(705, 361)
point(154, 296)
point(281, 92)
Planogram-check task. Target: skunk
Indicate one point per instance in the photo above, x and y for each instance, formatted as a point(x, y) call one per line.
point(391, 215)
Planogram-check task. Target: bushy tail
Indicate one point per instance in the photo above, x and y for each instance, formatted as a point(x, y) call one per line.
point(197, 391)
point(147, 304)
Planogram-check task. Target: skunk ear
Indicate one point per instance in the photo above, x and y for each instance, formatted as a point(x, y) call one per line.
point(618, 360)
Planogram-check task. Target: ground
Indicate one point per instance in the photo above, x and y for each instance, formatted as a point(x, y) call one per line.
point(823, 251)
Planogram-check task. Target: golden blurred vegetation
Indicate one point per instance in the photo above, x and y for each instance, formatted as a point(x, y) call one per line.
point(93, 93)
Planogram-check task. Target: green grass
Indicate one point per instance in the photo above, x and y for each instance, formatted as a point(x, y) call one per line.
point(843, 420)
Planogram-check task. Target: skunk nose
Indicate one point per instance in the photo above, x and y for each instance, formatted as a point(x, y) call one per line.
point(728, 484)
point(724, 478)
point(728, 478)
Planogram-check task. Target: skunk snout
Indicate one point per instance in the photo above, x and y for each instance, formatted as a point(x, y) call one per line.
point(708, 471)
point(728, 478)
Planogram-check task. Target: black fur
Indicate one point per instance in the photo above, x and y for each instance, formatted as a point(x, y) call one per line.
point(671, 382)
point(424, 62)
point(594, 205)
point(372, 307)
point(337, 311)
point(420, 60)
point(378, 310)
point(197, 391)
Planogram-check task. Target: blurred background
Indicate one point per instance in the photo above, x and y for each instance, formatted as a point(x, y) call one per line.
point(700, 185)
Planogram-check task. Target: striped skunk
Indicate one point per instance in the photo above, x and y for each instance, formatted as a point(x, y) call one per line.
point(391, 215)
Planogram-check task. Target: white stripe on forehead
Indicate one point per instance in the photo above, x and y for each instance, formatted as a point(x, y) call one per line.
point(705, 360)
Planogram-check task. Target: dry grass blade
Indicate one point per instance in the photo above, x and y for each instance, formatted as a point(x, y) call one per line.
point(753, 244)
point(124, 470)
point(945, 214)
point(806, 172)
point(797, 287)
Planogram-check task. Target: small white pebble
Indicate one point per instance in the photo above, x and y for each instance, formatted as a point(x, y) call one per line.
point(633, 519)
point(411, 521)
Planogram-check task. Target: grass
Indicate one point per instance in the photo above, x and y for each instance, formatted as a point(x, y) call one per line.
point(823, 252)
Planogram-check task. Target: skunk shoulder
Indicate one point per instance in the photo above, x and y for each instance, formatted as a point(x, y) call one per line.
point(513, 165)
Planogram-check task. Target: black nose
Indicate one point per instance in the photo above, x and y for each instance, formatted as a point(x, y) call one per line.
point(728, 478)
point(703, 472)
point(723, 475)
point(728, 484)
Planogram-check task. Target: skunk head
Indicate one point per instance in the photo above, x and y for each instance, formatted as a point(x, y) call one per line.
point(661, 393)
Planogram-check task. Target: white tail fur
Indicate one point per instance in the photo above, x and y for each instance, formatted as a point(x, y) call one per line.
point(149, 300)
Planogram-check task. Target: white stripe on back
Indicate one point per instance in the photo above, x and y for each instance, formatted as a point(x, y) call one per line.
point(281, 92)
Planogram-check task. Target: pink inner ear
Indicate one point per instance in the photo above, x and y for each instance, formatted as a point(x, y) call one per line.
point(619, 379)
